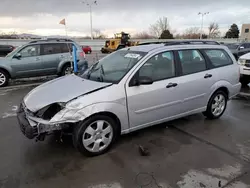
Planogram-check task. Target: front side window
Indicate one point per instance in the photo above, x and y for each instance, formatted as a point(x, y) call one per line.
point(113, 67)
point(30, 51)
point(191, 61)
point(51, 49)
point(159, 67)
point(218, 58)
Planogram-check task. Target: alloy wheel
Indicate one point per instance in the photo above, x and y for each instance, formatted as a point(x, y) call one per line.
point(218, 105)
point(2, 79)
point(97, 136)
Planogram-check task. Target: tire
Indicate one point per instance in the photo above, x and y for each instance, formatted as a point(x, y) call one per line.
point(96, 144)
point(221, 106)
point(65, 70)
point(4, 78)
point(89, 52)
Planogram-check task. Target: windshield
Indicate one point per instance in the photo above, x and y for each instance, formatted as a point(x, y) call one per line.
point(113, 67)
point(232, 46)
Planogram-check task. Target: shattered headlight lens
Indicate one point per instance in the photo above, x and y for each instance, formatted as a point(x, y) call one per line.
point(50, 111)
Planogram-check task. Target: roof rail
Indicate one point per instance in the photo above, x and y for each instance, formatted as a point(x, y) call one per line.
point(52, 39)
point(191, 42)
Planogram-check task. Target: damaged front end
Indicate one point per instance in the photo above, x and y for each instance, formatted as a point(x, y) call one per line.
point(38, 124)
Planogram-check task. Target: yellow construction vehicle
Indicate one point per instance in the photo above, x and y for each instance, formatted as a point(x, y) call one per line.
point(120, 41)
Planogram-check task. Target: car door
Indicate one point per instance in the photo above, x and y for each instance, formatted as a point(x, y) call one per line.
point(243, 49)
point(51, 54)
point(195, 82)
point(154, 103)
point(27, 62)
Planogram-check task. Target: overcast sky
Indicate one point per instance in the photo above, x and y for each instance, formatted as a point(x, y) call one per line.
point(42, 16)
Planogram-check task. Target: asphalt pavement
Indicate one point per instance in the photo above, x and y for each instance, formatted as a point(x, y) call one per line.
point(189, 152)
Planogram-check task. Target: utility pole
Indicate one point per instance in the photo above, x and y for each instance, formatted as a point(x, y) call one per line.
point(90, 12)
point(202, 16)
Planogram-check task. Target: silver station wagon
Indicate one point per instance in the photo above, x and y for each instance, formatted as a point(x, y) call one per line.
point(131, 89)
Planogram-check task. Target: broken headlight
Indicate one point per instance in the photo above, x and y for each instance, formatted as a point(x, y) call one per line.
point(50, 111)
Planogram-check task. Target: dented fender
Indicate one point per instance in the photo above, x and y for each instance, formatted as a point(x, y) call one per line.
point(74, 115)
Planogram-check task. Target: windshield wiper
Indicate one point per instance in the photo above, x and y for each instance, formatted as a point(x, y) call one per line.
point(92, 69)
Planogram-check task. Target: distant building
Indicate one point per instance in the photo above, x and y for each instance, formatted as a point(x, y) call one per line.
point(245, 31)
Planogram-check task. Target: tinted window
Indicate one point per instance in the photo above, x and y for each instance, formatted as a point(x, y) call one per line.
point(51, 49)
point(191, 61)
point(159, 67)
point(66, 47)
point(29, 51)
point(246, 30)
point(218, 58)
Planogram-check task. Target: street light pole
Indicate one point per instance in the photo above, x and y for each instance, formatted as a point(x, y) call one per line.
point(90, 12)
point(202, 18)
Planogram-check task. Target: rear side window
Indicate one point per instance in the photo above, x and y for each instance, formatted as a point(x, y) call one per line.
point(218, 58)
point(51, 49)
point(66, 47)
point(191, 61)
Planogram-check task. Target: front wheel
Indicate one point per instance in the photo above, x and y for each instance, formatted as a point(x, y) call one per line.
point(216, 105)
point(95, 135)
point(4, 78)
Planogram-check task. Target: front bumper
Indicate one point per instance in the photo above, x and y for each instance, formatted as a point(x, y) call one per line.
point(26, 128)
point(32, 126)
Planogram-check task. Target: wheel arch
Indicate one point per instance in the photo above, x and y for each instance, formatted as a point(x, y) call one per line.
point(62, 65)
point(6, 71)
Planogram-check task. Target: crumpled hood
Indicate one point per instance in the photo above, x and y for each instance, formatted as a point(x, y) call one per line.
point(62, 89)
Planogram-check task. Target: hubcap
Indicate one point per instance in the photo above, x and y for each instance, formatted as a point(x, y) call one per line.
point(67, 71)
point(218, 105)
point(2, 78)
point(97, 136)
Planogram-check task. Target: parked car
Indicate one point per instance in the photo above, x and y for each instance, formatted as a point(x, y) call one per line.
point(40, 58)
point(239, 49)
point(131, 89)
point(244, 62)
point(87, 49)
point(5, 49)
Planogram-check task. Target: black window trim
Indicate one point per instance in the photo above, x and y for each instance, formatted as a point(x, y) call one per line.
point(28, 46)
point(137, 72)
point(180, 64)
point(211, 66)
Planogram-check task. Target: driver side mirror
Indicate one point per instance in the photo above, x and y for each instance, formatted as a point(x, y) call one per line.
point(141, 80)
point(18, 56)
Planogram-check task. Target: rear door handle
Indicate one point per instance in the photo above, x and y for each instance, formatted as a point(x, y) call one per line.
point(208, 76)
point(171, 85)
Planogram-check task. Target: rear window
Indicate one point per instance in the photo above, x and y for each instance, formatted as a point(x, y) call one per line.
point(218, 57)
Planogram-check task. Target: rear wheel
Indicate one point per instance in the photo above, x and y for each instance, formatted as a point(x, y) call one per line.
point(95, 135)
point(216, 105)
point(4, 78)
point(66, 70)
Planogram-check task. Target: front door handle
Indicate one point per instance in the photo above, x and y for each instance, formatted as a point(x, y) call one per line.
point(208, 76)
point(171, 85)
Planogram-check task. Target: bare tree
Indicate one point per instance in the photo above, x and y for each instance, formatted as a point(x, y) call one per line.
point(143, 35)
point(213, 30)
point(192, 33)
point(160, 26)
